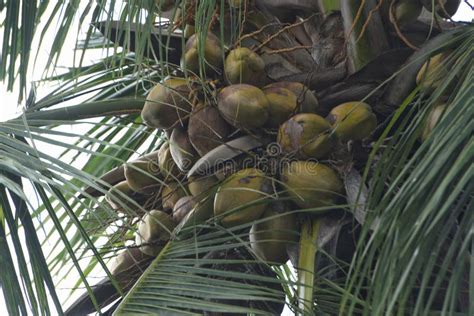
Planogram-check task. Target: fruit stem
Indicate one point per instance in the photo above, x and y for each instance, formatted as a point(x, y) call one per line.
point(306, 264)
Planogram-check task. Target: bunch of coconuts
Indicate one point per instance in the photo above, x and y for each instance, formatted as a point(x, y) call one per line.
point(223, 96)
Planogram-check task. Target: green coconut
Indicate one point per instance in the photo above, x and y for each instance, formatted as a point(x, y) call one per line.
point(167, 104)
point(283, 104)
point(269, 239)
point(244, 66)
point(445, 8)
point(433, 72)
point(311, 185)
point(307, 101)
point(307, 135)
point(171, 193)
point(153, 231)
point(407, 11)
point(212, 54)
point(432, 120)
point(127, 259)
point(181, 149)
point(182, 208)
point(353, 121)
point(207, 129)
point(243, 106)
point(113, 196)
point(142, 175)
point(239, 190)
point(167, 165)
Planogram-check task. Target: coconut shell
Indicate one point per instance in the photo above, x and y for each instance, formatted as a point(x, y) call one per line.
point(352, 121)
point(310, 184)
point(213, 54)
point(167, 104)
point(243, 188)
point(171, 193)
point(307, 101)
point(182, 208)
point(154, 230)
point(244, 66)
point(181, 149)
point(283, 104)
point(269, 239)
point(243, 106)
point(207, 129)
point(307, 136)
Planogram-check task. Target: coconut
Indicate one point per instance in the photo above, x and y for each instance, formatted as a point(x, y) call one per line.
point(244, 66)
point(433, 72)
point(199, 186)
point(207, 129)
point(432, 120)
point(113, 196)
point(171, 193)
point(238, 191)
point(212, 53)
point(352, 121)
point(407, 11)
point(182, 208)
point(283, 104)
point(307, 101)
point(269, 239)
point(445, 8)
point(182, 150)
point(307, 135)
point(167, 104)
point(166, 162)
point(154, 230)
point(127, 259)
point(243, 106)
point(310, 184)
point(142, 175)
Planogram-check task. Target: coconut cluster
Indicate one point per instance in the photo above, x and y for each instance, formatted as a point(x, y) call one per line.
point(220, 96)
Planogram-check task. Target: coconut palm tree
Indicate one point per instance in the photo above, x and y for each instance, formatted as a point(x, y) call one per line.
point(377, 222)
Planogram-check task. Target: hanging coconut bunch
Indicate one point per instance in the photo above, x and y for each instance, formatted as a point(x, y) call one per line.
point(258, 136)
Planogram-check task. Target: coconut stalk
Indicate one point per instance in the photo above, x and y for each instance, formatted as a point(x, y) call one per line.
point(365, 35)
point(306, 264)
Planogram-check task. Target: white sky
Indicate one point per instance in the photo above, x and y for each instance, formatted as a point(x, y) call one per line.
point(11, 109)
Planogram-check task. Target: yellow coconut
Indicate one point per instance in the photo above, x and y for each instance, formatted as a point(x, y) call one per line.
point(353, 121)
point(199, 186)
point(243, 106)
point(307, 101)
point(269, 239)
point(167, 104)
point(241, 197)
point(311, 184)
point(432, 120)
point(142, 174)
point(166, 163)
point(153, 231)
point(127, 259)
point(283, 104)
point(244, 66)
point(181, 149)
point(114, 196)
point(212, 51)
point(307, 135)
point(433, 72)
point(171, 193)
